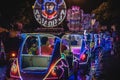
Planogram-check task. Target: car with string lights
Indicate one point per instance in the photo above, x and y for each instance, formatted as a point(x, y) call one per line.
point(77, 52)
point(39, 58)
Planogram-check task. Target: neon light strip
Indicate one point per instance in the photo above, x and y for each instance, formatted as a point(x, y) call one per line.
point(62, 68)
point(53, 78)
point(39, 43)
point(76, 58)
point(62, 71)
point(19, 70)
point(52, 68)
point(22, 50)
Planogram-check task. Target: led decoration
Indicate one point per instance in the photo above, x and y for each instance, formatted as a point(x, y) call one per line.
point(14, 68)
point(57, 66)
point(49, 13)
point(74, 18)
point(14, 72)
point(79, 21)
point(75, 50)
point(52, 67)
point(82, 56)
point(92, 44)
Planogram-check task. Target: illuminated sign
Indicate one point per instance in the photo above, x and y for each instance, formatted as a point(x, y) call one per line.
point(49, 13)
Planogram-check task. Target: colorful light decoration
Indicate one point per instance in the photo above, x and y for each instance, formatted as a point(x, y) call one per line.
point(83, 57)
point(49, 13)
point(53, 73)
point(15, 72)
point(14, 69)
point(79, 21)
point(58, 67)
point(74, 18)
point(13, 55)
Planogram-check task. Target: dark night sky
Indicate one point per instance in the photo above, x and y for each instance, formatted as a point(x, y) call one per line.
point(9, 7)
point(12, 8)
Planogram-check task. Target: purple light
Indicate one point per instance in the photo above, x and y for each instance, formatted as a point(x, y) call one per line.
point(76, 50)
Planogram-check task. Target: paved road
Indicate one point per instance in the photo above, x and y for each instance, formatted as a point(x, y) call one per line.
point(111, 69)
point(2, 72)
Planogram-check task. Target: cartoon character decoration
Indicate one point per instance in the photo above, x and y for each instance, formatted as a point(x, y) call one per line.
point(50, 9)
point(14, 72)
point(79, 21)
point(74, 18)
point(49, 13)
point(14, 68)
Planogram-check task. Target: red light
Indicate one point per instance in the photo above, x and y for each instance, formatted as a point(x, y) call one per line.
point(83, 57)
point(53, 73)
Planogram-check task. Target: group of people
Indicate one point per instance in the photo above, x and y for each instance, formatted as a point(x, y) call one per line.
point(45, 48)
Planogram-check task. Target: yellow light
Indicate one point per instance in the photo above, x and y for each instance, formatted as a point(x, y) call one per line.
point(13, 54)
point(93, 21)
point(14, 68)
point(32, 6)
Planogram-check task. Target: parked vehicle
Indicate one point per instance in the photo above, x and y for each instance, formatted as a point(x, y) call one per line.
point(36, 61)
point(77, 53)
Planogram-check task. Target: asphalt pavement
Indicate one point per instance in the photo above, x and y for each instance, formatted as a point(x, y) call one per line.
point(2, 72)
point(111, 69)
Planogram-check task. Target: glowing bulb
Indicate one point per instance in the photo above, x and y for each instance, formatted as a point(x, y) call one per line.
point(13, 54)
point(83, 56)
point(32, 6)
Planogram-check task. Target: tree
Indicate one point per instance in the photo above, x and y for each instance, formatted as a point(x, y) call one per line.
point(102, 13)
point(107, 13)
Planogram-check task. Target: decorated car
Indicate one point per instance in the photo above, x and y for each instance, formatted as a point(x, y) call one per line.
point(77, 53)
point(39, 58)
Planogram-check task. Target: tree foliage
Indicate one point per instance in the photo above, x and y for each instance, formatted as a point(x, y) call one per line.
point(107, 12)
point(102, 12)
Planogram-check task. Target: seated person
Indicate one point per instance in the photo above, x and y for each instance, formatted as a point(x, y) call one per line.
point(45, 48)
point(73, 41)
point(33, 49)
point(63, 51)
point(66, 54)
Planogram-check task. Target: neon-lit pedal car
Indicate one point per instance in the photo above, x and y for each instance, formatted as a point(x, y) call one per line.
point(102, 47)
point(2, 54)
point(77, 52)
point(36, 61)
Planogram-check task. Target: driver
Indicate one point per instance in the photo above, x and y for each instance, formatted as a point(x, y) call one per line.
point(45, 48)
